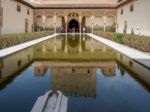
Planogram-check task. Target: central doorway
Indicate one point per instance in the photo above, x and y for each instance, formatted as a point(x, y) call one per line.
point(73, 26)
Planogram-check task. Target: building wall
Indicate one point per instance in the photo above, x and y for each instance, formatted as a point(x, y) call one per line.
point(98, 14)
point(139, 19)
point(14, 21)
point(1, 17)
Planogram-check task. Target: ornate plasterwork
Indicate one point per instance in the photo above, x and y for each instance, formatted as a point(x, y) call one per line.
point(80, 12)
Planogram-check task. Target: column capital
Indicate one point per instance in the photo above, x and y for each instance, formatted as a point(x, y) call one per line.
point(54, 17)
point(66, 18)
point(80, 19)
point(43, 18)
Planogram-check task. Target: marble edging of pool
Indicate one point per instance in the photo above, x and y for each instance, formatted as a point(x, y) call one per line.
point(10, 50)
point(138, 56)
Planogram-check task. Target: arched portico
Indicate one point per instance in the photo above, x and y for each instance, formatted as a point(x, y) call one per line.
point(76, 21)
point(73, 26)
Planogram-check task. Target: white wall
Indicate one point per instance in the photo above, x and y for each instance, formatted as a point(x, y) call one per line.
point(13, 21)
point(138, 19)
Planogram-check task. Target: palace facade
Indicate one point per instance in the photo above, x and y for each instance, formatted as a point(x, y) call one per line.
point(75, 16)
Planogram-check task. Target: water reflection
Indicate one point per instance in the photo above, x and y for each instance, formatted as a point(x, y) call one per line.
point(75, 79)
point(137, 71)
point(77, 65)
point(76, 47)
point(40, 70)
point(73, 47)
point(12, 65)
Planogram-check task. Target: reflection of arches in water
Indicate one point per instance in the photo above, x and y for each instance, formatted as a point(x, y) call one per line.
point(73, 26)
point(122, 71)
point(88, 71)
point(75, 84)
point(73, 70)
point(28, 57)
point(109, 71)
point(73, 40)
point(19, 63)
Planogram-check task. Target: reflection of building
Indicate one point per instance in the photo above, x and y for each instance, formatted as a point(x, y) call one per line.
point(11, 65)
point(96, 45)
point(75, 81)
point(138, 71)
point(73, 47)
point(109, 70)
point(39, 70)
point(49, 45)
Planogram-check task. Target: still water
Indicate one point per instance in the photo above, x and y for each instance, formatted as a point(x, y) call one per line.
point(93, 76)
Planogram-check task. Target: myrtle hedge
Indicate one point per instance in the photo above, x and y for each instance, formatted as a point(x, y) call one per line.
point(9, 40)
point(139, 42)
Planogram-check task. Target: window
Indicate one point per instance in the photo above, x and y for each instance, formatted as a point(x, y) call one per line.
point(28, 11)
point(121, 12)
point(131, 8)
point(18, 8)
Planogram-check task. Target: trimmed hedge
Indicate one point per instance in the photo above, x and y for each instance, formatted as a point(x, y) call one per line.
point(8, 40)
point(138, 42)
point(108, 35)
point(135, 41)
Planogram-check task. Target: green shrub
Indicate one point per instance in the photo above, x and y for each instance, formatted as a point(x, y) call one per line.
point(118, 37)
point(135, 41)
point(138, 42)
point(107, 35)
point(8, 40)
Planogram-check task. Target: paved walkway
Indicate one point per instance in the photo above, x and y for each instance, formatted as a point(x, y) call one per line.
point(13, 49)
point(134, 54)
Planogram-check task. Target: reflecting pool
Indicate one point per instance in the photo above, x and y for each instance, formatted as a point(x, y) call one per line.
point(93, 76)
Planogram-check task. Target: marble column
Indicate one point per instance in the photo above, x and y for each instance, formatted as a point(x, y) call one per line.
point(80, 22)
point(116, 25)
point(44, 21)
